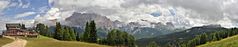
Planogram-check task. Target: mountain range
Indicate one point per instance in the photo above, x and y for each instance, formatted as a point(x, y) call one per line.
point(104, 25)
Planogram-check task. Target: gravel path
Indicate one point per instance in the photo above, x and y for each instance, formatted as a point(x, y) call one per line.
point(16, 43)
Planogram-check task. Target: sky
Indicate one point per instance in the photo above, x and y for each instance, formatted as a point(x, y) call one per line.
point(182, 13)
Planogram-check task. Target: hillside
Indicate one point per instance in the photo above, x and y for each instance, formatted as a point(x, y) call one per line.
point(228, 42)
point(181, 36)
point(4, 41)
point(42, 41)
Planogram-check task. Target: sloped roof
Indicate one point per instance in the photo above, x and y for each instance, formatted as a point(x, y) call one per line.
point(13, 25)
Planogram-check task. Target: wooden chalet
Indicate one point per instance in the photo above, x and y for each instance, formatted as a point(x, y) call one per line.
point(15, 30)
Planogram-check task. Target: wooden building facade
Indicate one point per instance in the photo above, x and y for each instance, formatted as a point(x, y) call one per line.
point(16, 30)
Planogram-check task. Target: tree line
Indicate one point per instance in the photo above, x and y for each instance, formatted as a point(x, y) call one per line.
point(90, 33)
point(64, 33)
point(118, 38)
point(61, 32)
point(210, 37)
point(43, 30)
point(114, 38)
point(153, 44)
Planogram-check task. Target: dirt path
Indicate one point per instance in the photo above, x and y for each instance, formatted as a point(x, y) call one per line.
point(16, 43)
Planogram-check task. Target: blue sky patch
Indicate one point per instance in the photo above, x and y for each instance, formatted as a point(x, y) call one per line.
point(156, 14)
point(22, 6)
point(172, 12)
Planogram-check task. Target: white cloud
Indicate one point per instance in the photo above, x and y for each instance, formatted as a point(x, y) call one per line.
point(25, 14)
point(4, 20)
point(87, 3)
point(56, 13)
point(53, 14)
point(188, 12)
point(20, 3)
point(3, 4)
point(26, 5)
point(108, 3)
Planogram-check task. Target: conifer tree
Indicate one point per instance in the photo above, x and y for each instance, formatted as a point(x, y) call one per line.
point(152, 44)
point(72, 34)
point(47, 32)
point(120, 38)
point(85, 36)
point(92, 32)
point(23, 26)
point(67, 34)
point(58, 32)
point(42, 29)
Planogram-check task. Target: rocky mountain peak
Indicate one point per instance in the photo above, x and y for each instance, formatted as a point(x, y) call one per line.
point(80, 19)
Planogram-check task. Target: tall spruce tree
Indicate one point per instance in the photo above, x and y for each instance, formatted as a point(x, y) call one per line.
point(93, 32)
point(78, 35)
point(85, 36)
point(66, 34)
point(58, 31)
point(46, 31)
point(72, 34)
point(90, 33)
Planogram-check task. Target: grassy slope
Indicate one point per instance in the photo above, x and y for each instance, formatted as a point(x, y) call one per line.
point(42, 41)
point(4, 41)
point(227, 42)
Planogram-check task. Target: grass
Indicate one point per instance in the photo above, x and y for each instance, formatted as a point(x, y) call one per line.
point(227, 42)
point(42, 41)
point(4, 41)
